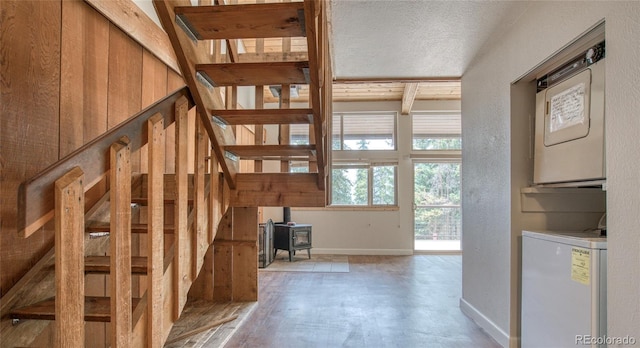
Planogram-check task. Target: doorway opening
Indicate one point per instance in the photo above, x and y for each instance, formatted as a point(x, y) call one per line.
point(437, 215)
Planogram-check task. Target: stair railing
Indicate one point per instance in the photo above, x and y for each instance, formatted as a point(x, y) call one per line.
point(58, 192)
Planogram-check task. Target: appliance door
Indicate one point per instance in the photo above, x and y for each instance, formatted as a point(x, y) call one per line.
point(559, 304)
point(569, 129)
point(302, 237)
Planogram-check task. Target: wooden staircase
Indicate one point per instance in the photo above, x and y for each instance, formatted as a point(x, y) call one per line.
point(193, 30)
point(205, 214)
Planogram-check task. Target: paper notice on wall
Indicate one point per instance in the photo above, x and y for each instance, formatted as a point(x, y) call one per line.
point(567, 108)
point(581, 265)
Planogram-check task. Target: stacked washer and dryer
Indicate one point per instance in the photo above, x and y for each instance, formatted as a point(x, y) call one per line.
point(564, 273)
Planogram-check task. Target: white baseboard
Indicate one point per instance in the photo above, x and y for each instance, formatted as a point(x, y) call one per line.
point(362, 251)
point(485, 323)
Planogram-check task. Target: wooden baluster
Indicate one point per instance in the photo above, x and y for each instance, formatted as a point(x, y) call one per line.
point(285, 102)
point(69, 251)
point(200, 235)
point(258, 128)
point(155, 234)
point(214, 196)
point(120, 240)
point(181, 266)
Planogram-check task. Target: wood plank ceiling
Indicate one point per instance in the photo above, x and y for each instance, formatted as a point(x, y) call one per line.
point(380, 91)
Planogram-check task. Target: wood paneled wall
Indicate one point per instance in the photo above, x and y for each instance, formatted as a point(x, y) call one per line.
point(68, 75)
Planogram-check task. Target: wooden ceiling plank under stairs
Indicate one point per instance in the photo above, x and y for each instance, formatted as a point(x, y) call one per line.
point(187, 26)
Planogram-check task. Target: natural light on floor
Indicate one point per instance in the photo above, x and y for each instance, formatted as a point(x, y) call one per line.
point(437, 245)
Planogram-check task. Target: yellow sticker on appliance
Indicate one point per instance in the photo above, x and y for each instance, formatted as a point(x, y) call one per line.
point(581, 265)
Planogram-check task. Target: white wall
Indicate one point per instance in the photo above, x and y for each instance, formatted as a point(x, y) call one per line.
point(371, 231)
point(544, 28)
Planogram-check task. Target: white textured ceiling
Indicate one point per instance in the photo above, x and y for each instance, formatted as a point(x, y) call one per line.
point(413, 38)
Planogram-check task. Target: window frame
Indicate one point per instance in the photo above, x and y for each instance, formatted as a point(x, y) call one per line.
point(436, 134)
point(369, 166)
point(342, 115)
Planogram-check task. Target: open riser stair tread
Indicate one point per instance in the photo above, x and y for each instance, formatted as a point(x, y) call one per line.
point(102, 264)
point(265, 116)
point(95, 309)
point(273, 152)
point(135, 228)
point(255, 74)
point(244, 21)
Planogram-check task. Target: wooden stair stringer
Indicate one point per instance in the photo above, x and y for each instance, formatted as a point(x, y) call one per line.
point(204, 94)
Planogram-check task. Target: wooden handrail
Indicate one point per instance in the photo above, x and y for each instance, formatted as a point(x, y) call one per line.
point(35, 196)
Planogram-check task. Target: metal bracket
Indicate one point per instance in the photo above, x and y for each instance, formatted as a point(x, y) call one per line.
point(185, 25)
point(220, 122)
point(231, 156)
point(205, 80)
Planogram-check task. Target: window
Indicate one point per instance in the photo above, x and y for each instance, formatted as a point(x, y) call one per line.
point(436, 131)
point(364, 167)
point(363, 184)
point(363, 131)
point(299, 134)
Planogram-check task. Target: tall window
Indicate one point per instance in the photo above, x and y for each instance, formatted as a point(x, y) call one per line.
point(363, 174)
point(436, 145)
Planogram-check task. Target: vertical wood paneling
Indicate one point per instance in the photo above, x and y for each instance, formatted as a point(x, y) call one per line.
point(174, 81)
point(69, 246)
point(222, 263)
point(245, 256)
point(125, 81)
point(30, 94)
point(154, 87)
point(72, 68)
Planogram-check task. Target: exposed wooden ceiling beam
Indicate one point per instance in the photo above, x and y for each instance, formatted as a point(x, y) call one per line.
point(408, 97)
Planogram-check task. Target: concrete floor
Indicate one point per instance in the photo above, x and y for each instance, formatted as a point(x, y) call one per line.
point(383, 301)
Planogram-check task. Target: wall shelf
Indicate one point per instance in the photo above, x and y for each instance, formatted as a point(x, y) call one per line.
point(563, 199)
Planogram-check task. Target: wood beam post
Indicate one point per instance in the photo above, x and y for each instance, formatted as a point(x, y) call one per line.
point(200, 235)
point(69, 256)
point(408, 97)
point(182, 247)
